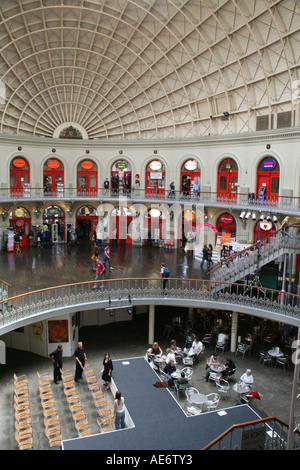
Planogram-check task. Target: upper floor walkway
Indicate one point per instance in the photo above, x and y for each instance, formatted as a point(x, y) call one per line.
point(239, 201)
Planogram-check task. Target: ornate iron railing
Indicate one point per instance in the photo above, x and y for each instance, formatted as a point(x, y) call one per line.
point(253, 300)
point(276, 204)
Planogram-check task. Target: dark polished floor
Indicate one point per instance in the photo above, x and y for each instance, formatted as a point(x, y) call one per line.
point(38, 268)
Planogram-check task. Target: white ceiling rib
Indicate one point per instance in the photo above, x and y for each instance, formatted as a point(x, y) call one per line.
point(155, 69)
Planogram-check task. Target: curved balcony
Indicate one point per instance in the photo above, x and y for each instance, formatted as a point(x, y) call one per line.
point(239, 201)
point(24, 309)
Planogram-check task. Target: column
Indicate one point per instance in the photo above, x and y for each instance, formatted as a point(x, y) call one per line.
point(151, 324)
point(234, 331)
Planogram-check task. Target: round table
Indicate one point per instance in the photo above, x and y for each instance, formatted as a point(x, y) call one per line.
point(198, 399)
point(241, 389)
point(217, 369)
point(274, 353)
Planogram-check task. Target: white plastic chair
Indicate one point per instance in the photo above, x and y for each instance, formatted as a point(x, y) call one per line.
point(212, 401)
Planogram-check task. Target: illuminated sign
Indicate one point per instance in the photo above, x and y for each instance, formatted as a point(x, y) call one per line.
point(19, 162)
point(268, 164)
point(190, 165)
point(265, 225)
point(121, 165)
point(19, 212)
point(87, 165)
point(226, 219)
point(53, 164)
point(155, 165)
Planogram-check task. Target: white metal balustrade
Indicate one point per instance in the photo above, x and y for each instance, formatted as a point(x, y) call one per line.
point(45, 303)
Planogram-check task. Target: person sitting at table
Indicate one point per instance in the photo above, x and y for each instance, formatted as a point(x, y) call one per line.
point(155, 351)
point(183, 379)
point(213, 361)
point(175, 349)
point(247, 378)
point(168, 370)
point(228, 368)
point(170, 356)
point(196, 349)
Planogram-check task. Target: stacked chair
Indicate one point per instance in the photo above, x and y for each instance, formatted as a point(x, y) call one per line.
point(51, 419)
point(23, 426)
point(79, 417)
point(106, 419)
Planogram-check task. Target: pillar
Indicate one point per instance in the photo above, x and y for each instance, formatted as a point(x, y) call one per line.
point(234, 331)
point(151, 324)
point(190, 313)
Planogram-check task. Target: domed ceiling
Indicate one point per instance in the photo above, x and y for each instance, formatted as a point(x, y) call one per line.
point(148, 69)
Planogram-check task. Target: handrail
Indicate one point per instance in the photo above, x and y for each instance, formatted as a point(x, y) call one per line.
point(242, 425)
point(205, 282)
point(5, 283)
point(249, 248)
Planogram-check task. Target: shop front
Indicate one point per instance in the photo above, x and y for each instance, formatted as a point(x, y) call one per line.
point(87, 178)
point(155, 180)
point(262, 229)
point(19, 177)
point(86, 222)
point(121, 226)
point(20, 222)
point(121, 177)
point(268, 175)
point(227, 179)
point(53, 178)
point(190, 174)
point(53, 226)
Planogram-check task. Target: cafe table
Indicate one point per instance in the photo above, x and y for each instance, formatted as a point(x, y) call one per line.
point(241, 389)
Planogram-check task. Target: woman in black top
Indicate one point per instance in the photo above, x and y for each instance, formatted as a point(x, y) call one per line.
point(107, 371)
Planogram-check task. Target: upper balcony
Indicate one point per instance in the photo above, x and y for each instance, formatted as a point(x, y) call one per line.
point(238, 201)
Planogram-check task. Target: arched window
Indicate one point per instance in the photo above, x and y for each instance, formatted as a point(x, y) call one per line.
point(226, 224)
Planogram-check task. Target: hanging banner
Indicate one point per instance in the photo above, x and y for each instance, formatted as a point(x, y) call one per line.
point(205, 224)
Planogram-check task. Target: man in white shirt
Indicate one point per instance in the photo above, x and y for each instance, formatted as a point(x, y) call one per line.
point(247, 378)
point(197, 348)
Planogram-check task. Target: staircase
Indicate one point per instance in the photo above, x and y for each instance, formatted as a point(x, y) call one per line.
point(252, 259)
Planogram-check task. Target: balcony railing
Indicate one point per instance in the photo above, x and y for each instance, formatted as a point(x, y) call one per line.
point(262, 434)
point(239, 200)
point(122, 293)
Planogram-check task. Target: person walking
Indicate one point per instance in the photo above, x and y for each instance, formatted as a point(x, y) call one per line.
point(107, 256)
point(81, 359)
point(56, 358)
point(209, 257)
point(165, 273)
point(119, 410)
point(205, 256)
point(100, 270)
point(107, 371)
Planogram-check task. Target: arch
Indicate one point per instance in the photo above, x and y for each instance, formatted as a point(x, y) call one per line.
point(68, 125)
point(54, 225)
point(20, 221)
point(121, 176)
point(190, 171)
point(53, 177)
point(155, 178)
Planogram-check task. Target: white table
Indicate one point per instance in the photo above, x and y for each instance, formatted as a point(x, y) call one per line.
point(240, 389)
point(198, 399)
point(274, 353)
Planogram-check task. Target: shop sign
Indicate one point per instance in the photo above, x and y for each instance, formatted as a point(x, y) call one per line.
point(121, 166)
point(268, 164)
point(225, 238)
point(20, 222)
point(190, 165)
point(265, 225)
point(53, 164)
point(87, 165)
point(226, 219)
point(52, 211)
point(155, 165)
point(156, 175)
point(189, 216)
point(19, 162)
point(19, 212)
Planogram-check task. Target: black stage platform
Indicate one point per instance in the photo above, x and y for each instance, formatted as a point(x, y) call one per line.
point(159, 422)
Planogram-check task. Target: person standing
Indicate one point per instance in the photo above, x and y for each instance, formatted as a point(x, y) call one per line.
point(119, 411)
point(205, 255)
point(107, 371)
point(210, 253)
point(165, 273)
point(107, 256)
point(106, 185)
point(80, 358)
point(56, 358)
